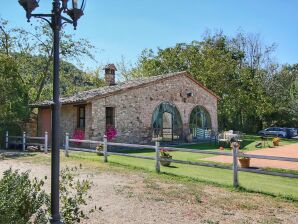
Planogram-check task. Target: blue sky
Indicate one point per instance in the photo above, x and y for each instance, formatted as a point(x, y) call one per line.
point(126, 27)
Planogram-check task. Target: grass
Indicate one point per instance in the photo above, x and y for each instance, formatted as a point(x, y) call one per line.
point(265, 184)
point(272, 185)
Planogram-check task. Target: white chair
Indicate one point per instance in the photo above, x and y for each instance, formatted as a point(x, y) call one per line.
point(222, 138)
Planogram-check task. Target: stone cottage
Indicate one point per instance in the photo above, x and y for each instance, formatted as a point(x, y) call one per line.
point(172, 107)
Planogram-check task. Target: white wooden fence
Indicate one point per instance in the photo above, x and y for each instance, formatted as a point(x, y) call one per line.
point(24, 139)
point(157, 157)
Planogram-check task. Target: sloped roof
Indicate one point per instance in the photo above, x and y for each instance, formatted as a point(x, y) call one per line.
point(84, 96)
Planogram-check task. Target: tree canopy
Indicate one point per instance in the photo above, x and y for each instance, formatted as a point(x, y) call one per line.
point(26, 69)
point(255, 91)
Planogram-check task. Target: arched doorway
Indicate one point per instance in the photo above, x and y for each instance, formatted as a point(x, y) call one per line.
point(200, 123)
point(166, 122)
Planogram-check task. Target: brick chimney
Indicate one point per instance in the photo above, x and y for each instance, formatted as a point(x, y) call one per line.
point(110, 74)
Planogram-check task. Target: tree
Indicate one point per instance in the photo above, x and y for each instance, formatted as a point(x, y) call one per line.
point(13, 93)
point(36, 50)
point(26, 70)
point(283, 90)
point(237, 69)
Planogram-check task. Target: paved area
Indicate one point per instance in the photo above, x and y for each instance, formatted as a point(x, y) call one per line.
point(283, 151)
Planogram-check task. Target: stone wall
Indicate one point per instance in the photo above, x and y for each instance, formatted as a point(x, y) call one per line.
point(31, 127)
point(134, 108)
point(69, 118)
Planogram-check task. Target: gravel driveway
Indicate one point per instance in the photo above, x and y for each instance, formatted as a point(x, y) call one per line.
point(129, 196)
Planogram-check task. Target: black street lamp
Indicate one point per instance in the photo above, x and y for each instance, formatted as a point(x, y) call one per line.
point(56, 20)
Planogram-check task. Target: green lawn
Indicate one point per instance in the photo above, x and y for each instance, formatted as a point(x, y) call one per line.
point(272, 185)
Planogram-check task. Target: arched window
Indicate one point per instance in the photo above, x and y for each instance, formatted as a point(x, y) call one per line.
point(166, 122)
point(200, 123)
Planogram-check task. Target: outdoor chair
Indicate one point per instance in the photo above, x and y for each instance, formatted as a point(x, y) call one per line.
point(222, 138)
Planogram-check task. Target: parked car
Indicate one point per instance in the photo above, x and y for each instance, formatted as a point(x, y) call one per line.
point(274, 131)
point(291, 132)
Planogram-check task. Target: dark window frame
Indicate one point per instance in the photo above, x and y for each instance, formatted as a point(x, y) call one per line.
point(81, 117)
point(110, 116)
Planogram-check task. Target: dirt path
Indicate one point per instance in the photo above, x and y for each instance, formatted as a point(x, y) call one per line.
point(283, 151)
point(135, 197)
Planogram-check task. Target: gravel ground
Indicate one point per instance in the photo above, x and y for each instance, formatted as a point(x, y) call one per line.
point(128, 196)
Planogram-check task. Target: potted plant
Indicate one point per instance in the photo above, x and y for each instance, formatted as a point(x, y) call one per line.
point(164, 154)
point(244, 161)
point(276, 141)
point(99, 149)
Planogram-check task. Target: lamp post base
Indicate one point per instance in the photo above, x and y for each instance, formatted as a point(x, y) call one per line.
point(52, 221)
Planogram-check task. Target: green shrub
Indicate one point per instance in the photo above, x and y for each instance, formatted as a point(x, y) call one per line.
point(73, 194)
point(22, 200)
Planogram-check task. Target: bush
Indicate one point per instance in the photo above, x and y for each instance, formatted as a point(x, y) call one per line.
point(73, 194)
point(22, 200)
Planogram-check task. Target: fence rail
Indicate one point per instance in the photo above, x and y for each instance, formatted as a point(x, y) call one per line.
point(25, 140)
point(157, 158)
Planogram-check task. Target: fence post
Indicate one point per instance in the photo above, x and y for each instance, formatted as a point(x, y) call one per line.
point(66, 144)
point(24, 141)
point(6, 140)
point(235, 165)
point(105, 148)
point(157, 159)
point(46, 142)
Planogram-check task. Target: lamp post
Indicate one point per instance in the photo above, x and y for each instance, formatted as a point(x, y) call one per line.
point(55, 20)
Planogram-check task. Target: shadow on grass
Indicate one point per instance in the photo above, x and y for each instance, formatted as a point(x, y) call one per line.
point(132, 150)
point(15, 154)
point(171, 166)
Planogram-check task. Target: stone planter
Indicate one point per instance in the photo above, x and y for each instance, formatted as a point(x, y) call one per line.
point(165, 163)
point(244, 162)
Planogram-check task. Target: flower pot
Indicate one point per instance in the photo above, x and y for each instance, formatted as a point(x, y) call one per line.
point(244, 162)
point(165, 163)
point(99, 153)
point(276, 143)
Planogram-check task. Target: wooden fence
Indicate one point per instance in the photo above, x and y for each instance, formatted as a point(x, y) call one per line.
point(158, 158)
point(24, 140)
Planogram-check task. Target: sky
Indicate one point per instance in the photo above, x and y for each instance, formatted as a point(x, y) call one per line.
point(123, 28)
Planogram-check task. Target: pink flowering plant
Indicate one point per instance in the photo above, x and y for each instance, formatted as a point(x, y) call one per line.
point(78, 134)
point(111, 133)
